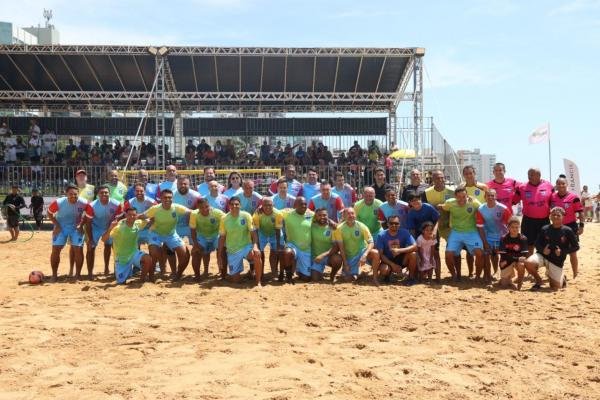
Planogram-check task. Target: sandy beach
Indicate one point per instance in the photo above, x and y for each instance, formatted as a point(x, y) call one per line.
point(96, 340)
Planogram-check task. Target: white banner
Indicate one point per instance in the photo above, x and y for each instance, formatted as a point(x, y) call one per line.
point(572, 173)
point(540, 135)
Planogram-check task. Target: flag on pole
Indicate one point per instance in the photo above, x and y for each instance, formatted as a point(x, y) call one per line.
point(540, 135)
point(572, 173)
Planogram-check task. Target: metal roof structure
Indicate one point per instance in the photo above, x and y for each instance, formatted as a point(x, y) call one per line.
point(205, 79)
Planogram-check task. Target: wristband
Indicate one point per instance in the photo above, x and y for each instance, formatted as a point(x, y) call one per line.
point(581, 224)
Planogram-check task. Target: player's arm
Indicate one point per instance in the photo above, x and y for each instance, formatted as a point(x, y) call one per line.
point(411, 248)
point(109, 232)
point(338, 239)
point(52, 210)
point(480, 224)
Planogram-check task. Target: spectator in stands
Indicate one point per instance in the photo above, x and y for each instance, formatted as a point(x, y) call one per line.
point(190, 152)
point(355, 149)
point(4, 129)
point(373, 152)
point(202, 148)
point(300, 156)
point(327, 157)
point(35, 146)
point(219, 151)
point(83, 151)
point(49, 140)
point(342, 159)
point(265, 153)
point(388, 164)
point(34, 129)
point(229, 150)
point(21, 150)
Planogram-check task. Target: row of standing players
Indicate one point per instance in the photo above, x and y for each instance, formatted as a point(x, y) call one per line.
point(311, 225)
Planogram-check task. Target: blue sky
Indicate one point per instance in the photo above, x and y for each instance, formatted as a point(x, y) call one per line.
point(495, 69)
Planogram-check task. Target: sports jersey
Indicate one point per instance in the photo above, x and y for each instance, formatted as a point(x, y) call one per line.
point(570, 202)
point(140, 206)
point(219, 202)
point(103, 214)
point(535, 198)
point(415, 219)
point(117, 191)
point(165, 220)
point(298, 228)
point(205, 191)
point(321, 239)
point(309, 191)
point(476, 193)
point(266, 224)
point(386, 241)
point(87, 193)
point(250, 204)
point(164, 185)
point(400, 209)
point(380, 190)
point(347, 193)
point(237, 231)
point(368, 214)
point(493, 220)
point(511, 248)
point(462, 218)
point(562, 238)
point(294, 188)
point(69, 215)
point(333, 205)
point(233, 192)
point(413, 189)
point(189, 200)
point(151, 190)
point(505, 191)
point(354, 238)
point(125, 240)
point(281, 204)
point(206, 225)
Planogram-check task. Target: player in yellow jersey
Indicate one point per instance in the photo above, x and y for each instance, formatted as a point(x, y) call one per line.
point(268, 223)
point(476, 191)
point(296, 255)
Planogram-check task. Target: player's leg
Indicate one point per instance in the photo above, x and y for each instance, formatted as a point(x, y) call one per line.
point(55, 261)
point(107, 250)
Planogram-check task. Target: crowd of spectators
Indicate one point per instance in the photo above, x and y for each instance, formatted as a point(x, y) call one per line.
point(37, 149)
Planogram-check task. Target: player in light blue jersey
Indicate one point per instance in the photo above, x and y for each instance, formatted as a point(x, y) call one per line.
point(170, 182)
point(215, 198)
point(282, 199)
point(393, 206)
point(249, 199)
point(492, 223)
point(68, 214)
point(344, 190)
point(234, 185)
point(103, 211)
point(312, 187)
point(209, 176)
point(141, 202)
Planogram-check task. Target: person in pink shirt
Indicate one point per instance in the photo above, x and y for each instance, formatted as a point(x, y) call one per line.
point(505, 187)
point(574, 211)
point(535, 195)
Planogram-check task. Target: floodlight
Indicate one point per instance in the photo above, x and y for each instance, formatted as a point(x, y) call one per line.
point(162, 51)
point(152, 50)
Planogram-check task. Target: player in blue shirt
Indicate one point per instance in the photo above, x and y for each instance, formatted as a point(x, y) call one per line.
point(397, 249)
point(420, 213)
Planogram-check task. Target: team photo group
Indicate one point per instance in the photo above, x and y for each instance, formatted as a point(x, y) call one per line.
point(317, 229)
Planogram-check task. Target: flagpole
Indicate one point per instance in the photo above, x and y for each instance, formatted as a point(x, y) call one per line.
point(550, 153)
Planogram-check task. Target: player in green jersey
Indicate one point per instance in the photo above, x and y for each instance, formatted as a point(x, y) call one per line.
point(324, 251)
point(238, 236)
point(128, 257)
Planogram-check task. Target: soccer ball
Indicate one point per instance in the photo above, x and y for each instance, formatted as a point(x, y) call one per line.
point(36, 277)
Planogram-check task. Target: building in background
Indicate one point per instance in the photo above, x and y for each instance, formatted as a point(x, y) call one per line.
point(483, 163)
point(47, 34)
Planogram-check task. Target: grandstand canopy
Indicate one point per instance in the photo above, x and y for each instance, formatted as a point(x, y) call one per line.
point(205, 79)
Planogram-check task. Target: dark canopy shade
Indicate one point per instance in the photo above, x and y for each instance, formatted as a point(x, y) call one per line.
point(206, 127)
point(117, 78)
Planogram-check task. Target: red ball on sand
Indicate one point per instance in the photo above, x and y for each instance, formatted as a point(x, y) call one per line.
point(36, 277)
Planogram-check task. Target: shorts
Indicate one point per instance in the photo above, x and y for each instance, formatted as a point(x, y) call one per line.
point(144, 236)
point(354, 263)
point(12, 221)
point(208, 244)
point(303, 259)
point(72, 234)
point(456, 241)
point(494, 246)
point(531, 227)
point(320, 267)
point(508, 272)
point(172, 241)
point(553, 271)
point(184, 232)
point(236, 260)
point(124, 271)
point(96, 235)
point(270, 240)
